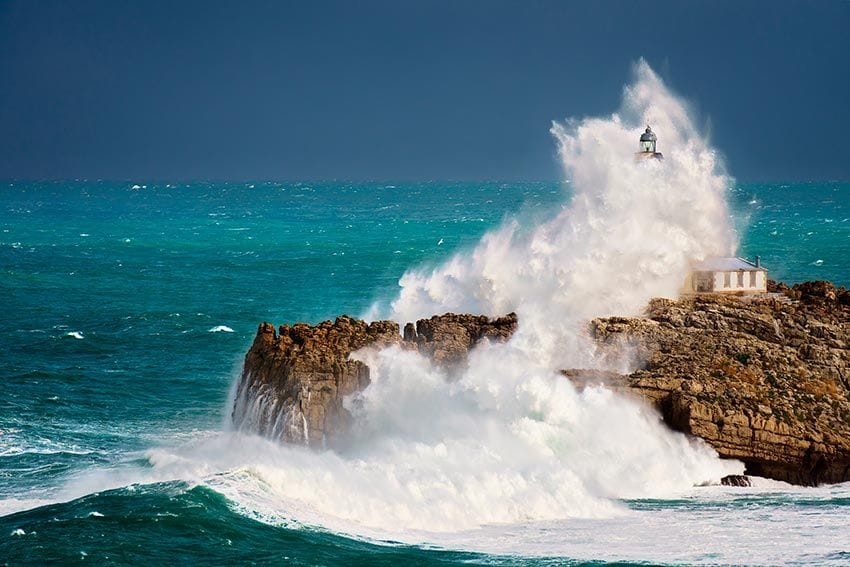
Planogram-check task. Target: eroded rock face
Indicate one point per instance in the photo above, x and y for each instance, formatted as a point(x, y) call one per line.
point(447, 339)
point(762, 379)
point(736, 480)
point(294, 379)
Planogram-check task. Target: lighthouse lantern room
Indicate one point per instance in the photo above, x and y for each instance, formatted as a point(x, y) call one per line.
point(647, 145)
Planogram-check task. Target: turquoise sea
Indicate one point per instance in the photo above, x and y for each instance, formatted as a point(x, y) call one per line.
point(126, 310)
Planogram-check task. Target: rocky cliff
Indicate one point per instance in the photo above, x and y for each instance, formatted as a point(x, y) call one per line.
point(764, 379)
point(295, 378)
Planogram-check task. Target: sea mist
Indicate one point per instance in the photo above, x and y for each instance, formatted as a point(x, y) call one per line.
point(508, 439)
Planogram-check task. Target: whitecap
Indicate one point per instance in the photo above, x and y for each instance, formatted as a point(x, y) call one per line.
point(817, 263)
point(95, 514)
point(220, 329)
point(75, 334)
point(19, 531)
point(13, 505)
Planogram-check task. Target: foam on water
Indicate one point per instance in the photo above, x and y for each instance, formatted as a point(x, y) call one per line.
point(506, 456)
point(220, 329)
point(509, 439)
point(381, 501)
point(12, 505)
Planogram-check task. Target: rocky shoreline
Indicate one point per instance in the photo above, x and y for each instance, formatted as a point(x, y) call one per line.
point(763, 379)
point(295, 378)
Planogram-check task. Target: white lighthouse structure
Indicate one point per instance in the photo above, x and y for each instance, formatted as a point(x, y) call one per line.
point(648, 141)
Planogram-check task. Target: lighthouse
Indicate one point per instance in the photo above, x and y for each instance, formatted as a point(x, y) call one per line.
point(648, 141)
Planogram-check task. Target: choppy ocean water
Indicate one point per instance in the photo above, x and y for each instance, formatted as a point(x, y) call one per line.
point(127, 309)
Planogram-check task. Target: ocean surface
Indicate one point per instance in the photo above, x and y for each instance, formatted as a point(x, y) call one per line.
point(127, 309)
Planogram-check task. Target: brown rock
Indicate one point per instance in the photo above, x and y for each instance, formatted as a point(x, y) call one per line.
point(760, 379)
point(294, 381)
point(736, 480)
point(764, 379)
point(448, 338)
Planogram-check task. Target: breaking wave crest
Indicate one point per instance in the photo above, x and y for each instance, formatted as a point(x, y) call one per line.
point(629, 233)
point(509, 439)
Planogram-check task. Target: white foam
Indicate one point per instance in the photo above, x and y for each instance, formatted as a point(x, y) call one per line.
point(220, 329)
point(506, 456)
point(75, 334)
point(13, 505)
point(715, 527)
point(17, 450)
point(382, 500)
point(629, 233)
point(508, 439)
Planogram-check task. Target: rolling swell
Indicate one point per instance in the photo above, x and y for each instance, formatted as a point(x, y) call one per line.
point(127, 526)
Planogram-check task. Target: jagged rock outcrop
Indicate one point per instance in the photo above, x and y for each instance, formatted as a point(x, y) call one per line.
point(736, 480)
point(763, 379)
point(447, 339)
point(294, 379)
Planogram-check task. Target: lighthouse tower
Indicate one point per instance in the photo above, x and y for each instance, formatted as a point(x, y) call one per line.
point(647, 146)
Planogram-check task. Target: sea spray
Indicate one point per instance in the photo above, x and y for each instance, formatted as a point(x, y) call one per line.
point(508, 439)
point(629, 233)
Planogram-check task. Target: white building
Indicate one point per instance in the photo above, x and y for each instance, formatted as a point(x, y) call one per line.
point(727, 275)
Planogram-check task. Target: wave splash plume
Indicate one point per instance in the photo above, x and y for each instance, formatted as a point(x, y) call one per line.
point(628, 234)
point(509, 440)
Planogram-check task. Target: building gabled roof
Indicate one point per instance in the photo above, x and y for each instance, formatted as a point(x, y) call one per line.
point(718, 264)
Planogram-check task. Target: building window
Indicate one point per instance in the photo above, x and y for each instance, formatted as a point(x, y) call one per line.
point(741, 278)
point(752, 279)
point(727, 279)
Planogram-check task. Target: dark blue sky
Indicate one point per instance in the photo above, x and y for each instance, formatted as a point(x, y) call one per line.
point(403, 90)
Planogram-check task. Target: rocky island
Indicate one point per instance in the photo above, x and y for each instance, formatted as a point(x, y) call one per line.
point(764, 379)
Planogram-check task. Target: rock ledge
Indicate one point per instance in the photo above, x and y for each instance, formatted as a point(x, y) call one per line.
point(764, 379)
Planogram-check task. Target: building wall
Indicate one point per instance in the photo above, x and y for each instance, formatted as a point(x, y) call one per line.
point(715, 282)
point(722, 278)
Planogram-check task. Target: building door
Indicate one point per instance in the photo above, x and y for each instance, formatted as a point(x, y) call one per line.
point(704, 282)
